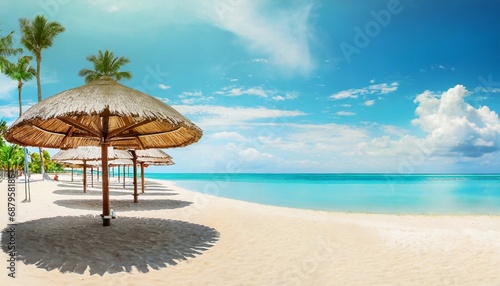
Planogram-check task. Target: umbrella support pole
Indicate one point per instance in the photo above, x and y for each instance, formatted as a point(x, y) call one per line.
point(142, 176)
point(134, 160)
point(106, 215)
point(84, 176)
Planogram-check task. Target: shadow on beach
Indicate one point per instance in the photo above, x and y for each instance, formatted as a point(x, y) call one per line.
point(79, 243)
point(124, 205)
point(79, 192)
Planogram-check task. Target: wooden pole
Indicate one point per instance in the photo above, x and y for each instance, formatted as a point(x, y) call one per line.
point(124, 176)
point(142, 176)
point(92, 176)
point(84, 176)
point(134, 160)
point(106, 210)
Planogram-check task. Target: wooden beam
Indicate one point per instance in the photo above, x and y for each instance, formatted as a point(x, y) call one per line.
point(127, 127)
point(68, 135)
point(74, 123)
point(135, 134)
point(48, 131)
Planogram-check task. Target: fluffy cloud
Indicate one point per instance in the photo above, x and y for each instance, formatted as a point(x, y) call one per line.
point(455, 126)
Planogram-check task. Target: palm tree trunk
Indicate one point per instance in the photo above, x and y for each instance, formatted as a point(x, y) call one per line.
point(38, 84)
point(19, 87)
point(39, 87)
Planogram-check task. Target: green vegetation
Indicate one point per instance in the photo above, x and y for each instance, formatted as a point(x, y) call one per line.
point(39, 34)
point(12, 157)
point(105, 64)
point(6, 50)
point(21, 73)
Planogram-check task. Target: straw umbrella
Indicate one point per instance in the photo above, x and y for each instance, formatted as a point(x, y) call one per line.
point(121, 162)
point(151, 157)
point(86, 154)
point(103, 113)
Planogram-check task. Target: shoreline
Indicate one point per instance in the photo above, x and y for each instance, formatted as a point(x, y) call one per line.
point(262, 245)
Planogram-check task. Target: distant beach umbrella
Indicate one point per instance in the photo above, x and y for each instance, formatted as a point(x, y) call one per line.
point(150, 157)
point(103, 113)
point(82, 155)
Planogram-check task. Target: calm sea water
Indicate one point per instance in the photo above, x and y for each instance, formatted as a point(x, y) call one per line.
point(372, 193)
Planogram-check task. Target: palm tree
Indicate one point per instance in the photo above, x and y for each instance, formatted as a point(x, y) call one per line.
point(20, 72)
point(11, 158)
point(105, 64)
point(39, 34)
point(6, 50)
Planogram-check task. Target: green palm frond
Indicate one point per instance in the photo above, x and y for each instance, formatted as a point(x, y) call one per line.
point(105, 64)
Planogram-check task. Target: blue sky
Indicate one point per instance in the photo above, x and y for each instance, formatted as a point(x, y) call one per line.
point(299, 85)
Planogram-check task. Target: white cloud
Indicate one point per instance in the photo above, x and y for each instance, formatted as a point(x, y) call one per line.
point(163, 86)
point(235, 136)
point(343, 95)
point(217, 116)
point(454, 126)
point(369, 102)
point(374, 89)
point(257, 91)
point(250, 154)
point(283, 36)
point(191, 97)
point(288, 96)
point(185, 94)
point(11, 112)
point(259, 61)
point(345, 113)
point(237, 91)
point(7, 86)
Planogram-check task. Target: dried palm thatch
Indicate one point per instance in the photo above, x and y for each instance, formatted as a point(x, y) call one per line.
point(121, 162)
point(103, 113)
point(103, 110)
point(89, 153)
point(152, 156)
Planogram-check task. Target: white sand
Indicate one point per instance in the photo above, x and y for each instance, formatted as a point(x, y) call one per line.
point(176, 231)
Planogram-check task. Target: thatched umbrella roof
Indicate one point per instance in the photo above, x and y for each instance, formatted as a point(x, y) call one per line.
point(73, 118)
point(154, 155)
point(103, 113)
point(89, 153)
point(120, 162)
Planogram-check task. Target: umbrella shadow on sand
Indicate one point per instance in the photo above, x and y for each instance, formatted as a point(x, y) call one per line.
point(79, 192)
point(77, 244)
point(124, 205)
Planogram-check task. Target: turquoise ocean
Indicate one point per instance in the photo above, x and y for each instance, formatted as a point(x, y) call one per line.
point(368, 193)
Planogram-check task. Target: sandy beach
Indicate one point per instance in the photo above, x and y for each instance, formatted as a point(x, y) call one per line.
point(174, 236)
